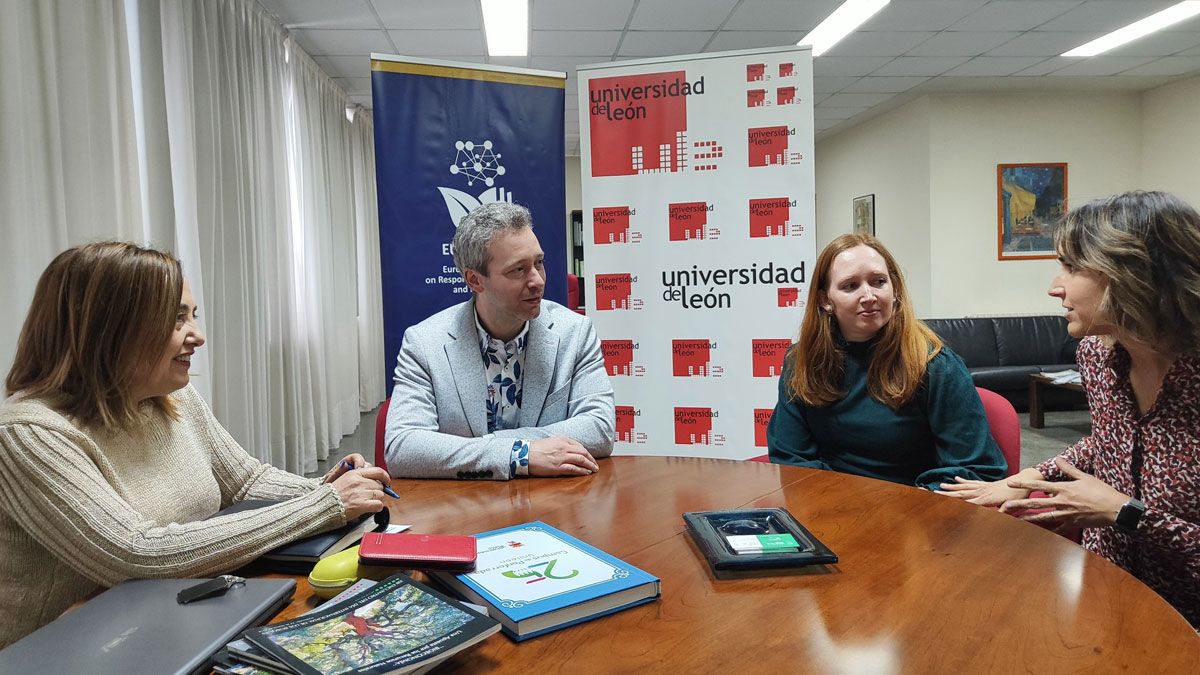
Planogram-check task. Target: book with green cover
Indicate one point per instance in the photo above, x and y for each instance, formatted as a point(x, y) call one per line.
point(396, 626)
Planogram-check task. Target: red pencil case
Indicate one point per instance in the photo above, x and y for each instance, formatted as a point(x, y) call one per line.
point(418, 551)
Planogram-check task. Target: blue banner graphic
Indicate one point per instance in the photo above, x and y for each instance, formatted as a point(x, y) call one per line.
point(448, 138)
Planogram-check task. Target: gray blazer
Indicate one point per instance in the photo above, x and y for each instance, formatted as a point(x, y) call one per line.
point(437, 422)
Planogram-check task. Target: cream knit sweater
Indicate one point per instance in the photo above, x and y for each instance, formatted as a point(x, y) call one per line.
point(82, 509)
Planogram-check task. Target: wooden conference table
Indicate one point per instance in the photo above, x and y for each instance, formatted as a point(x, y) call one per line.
point(925, 583)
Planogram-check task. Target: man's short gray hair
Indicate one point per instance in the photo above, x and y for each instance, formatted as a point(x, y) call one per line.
point(477, 229)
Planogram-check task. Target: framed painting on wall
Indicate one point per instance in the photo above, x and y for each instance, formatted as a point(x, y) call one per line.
point(864, 214)
point(1030, 200)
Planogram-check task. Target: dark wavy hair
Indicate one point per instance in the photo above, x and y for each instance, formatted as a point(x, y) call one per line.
point(1147, 246)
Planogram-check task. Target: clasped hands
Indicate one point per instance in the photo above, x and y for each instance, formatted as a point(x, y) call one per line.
point(560, 456)
point(1082, 501)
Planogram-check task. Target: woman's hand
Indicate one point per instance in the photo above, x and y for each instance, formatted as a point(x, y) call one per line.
point(983, 492)
point(349, 462)
point(1083, 501)
point(361, 491)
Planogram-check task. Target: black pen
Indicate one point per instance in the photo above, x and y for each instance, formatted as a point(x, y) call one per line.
point(386, 490)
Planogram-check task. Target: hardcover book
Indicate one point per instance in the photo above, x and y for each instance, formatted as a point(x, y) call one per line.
point(396, 626)
point(535, 579)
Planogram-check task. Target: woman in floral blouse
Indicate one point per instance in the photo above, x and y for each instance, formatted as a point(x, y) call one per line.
point(1130, 280)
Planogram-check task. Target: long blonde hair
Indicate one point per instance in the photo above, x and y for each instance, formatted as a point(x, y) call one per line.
point(101, 314)
point(1147, 246)
point(900, 357)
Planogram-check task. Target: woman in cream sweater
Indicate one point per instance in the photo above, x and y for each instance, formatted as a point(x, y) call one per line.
point(110, 462)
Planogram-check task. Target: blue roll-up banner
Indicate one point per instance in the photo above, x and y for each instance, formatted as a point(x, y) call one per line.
point(448, 137)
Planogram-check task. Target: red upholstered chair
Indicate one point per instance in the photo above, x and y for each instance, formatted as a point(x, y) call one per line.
point(380, 428)
point(573, 287)
point(1004, 425)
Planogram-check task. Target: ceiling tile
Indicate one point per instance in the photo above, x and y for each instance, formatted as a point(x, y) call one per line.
point(1038, 43)
point(345, 66)
point(438, 42)
point(354, 85)
point(1102, 65)
point(676, 15)
point(847, 65)
point(878, 43)
point(513, 61)
point(573, 42)
point(1105, 15)
point(993, 66)
point(321, 14)
point(752, 39)
point(921, 65)
point(844, 100)
point(445, 14)
point(883, 85)
point(1016, 15)
point(662, 42)
point(961, 43)
point(830, 85)
point(822, 125)
point(830, 113)
point(566, 64)
point(781, 15)
point(1168, 65)
point(559, 15)
point(817, 98)
point(329, 42)
point(1194, 51)
point(1046, 67)
point(921, 14)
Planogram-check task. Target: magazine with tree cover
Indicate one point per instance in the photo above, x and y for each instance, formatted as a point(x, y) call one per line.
point(397, 626)
point(536, 579)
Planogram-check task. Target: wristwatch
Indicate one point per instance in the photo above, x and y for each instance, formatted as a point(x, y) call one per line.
point(1129, 516)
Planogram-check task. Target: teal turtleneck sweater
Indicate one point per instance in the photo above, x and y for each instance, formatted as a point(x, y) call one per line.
point(941, 433)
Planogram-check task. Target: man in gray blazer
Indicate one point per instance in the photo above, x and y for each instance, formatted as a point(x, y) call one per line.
point(506, 384)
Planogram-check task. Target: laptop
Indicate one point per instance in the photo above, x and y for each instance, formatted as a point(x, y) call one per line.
point(138, 627)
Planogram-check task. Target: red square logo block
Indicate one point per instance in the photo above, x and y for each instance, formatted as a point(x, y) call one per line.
point(767, 146)
point(767, 356)
point(769, 217)
point(686, 220)
point(693, 426)
point(632, 136)
point(618, 356)
point(788, 297)
point(762, 417)
point(756, 72)
point(610, 224)
point(613, 291)
point(690, 358)
point(626, 414)
point(755, 98)
point(787, 69)
point(785, 95)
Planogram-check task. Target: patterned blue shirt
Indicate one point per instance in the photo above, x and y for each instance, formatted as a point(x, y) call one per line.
point(504, 363)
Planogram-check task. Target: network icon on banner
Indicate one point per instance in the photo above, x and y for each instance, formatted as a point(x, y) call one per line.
point(478, 163)
point(698, 180)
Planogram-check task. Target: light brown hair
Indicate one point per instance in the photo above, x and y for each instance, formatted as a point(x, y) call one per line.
point(101, 315)
point(1147, 246)
point(900, 357)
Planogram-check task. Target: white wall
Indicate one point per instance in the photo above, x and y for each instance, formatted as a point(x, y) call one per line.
point(887, 156)
point(1099, 137)
point(574, 200)
point(1171, 139)
point(932, 167)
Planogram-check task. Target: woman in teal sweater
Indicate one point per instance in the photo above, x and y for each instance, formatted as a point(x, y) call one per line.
point(869, 389)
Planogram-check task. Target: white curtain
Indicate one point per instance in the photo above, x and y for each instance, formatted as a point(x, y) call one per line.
point(68, 146)
point(267, 197)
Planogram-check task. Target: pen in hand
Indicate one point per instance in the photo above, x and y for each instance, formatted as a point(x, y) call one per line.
point(386, 490)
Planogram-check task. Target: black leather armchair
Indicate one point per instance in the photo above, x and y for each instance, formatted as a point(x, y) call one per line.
point(1002, 352)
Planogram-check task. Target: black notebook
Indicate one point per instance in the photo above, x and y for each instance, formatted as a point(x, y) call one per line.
point(318, 546)
point(139, 627)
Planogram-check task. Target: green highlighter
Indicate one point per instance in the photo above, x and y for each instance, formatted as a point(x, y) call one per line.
point(754, 544)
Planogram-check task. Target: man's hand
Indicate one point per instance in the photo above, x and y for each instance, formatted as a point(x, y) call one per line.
point(560, 456)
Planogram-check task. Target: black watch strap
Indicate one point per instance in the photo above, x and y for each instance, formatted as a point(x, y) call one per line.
point(1130, 515)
